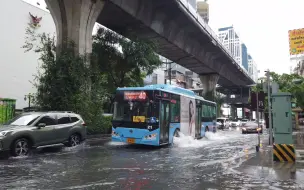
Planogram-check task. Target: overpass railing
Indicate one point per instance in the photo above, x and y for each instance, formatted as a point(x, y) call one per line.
point(204, 25)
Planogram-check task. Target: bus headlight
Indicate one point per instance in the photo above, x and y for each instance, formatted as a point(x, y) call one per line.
point(114, 134)
point(151, 136)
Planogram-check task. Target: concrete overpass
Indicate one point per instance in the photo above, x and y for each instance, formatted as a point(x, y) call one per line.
point(181, 34)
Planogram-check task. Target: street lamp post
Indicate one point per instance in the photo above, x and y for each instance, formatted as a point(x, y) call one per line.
point(269, 108)
point(258, 117)
point(28, 97)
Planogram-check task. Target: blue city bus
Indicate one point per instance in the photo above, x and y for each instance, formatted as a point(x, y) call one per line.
point(154, 114)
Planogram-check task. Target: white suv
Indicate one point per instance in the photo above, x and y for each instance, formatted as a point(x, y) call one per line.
point(223, 123)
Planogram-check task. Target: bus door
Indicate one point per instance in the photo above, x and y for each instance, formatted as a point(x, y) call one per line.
point(198, 122)
point(164, 121)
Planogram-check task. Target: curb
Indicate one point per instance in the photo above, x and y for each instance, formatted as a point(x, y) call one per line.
point(98, 136)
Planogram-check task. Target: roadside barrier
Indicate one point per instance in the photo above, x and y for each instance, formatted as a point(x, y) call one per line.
point(284, 153)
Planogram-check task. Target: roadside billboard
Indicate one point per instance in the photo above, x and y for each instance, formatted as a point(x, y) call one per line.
point(296, 41)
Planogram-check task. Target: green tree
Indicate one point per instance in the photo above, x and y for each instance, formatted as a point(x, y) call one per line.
point(286, 84)
point(123, 62)
point(65, 82)
point(219, 99)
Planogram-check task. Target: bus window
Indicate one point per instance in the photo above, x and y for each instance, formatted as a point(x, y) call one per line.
point(175, 112)
point(129, 104)
point(124, 111)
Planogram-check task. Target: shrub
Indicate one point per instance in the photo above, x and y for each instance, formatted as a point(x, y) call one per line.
point(101, 125)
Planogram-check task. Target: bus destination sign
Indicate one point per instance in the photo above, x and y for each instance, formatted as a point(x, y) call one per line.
point(135, 95)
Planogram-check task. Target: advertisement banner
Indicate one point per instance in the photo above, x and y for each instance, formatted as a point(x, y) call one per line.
point(296, 41)
point(188, 116)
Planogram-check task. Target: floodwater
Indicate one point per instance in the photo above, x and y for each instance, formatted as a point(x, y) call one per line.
point(214, 162)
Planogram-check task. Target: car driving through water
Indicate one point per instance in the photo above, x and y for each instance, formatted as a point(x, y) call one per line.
point(235, 123)
point(223, 123)
point(41, 129)
point(252, 127)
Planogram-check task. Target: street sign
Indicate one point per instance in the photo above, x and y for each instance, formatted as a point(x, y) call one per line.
point(261, 100)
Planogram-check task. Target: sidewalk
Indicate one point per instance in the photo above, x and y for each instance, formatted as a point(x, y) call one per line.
point(261, 163)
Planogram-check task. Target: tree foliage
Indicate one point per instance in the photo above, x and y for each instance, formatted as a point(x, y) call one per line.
point(219, 99)
point(286, 83)
point(123, 62)
point(64, 80)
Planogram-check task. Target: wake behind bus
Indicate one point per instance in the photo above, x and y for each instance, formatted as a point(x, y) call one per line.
point(154, 114)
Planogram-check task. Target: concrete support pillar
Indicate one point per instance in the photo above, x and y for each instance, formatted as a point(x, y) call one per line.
point(233, 111)
point(209, 83)
point(74, 20)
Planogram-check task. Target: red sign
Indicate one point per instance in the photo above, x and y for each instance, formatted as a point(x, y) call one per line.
point(135, 96)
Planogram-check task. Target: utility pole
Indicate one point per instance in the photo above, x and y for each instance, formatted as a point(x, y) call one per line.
point(170, 70)
point(269, 108)
point(29, 97)
point(258, 117)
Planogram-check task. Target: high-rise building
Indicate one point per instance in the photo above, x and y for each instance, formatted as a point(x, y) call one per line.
point(299, 68)
point(203, 10)
point(232, 42)
point(244, 56)
point(252, 69)
point(192, 3)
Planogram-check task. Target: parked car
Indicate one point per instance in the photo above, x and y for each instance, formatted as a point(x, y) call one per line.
point(41, 129)
point(252, 127)
point(244, 121)
point(235, 123)
point(223, 123)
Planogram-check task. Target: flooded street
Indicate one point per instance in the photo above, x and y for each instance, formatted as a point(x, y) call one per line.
point(209, 163)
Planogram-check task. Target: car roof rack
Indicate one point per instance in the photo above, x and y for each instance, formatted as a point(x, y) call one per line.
point(62, 111)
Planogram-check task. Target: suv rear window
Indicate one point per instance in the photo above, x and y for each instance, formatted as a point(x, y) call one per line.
point(74, 119)
point(64, 119)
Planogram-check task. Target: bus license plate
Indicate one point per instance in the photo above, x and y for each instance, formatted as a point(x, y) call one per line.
point(130, 141)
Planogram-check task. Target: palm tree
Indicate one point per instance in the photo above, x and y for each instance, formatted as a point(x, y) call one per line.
point(219, 100)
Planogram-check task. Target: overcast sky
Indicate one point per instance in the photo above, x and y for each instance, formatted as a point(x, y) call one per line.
point(263, 26)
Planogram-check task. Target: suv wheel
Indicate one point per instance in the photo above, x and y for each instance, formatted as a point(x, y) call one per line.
point(21, 147)
point(74, 140)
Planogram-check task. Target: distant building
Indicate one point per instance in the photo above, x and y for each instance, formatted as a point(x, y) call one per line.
point(232, 42)
point(203, 10)
point(17, 67)
point(192, 3)
point(180, 76)
point(244, 56)
point(299, 69)
point(252, 69)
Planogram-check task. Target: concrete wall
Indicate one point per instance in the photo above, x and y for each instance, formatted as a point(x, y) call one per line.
point(16, 67)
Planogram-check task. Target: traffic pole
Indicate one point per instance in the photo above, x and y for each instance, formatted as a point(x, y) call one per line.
point(269, 108)
point(258, 117)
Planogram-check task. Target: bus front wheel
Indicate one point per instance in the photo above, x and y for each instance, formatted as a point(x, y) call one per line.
point(207, 129)
point(176, 133)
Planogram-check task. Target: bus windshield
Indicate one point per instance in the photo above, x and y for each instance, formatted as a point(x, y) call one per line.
point(133, 106)
point(125, 111)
